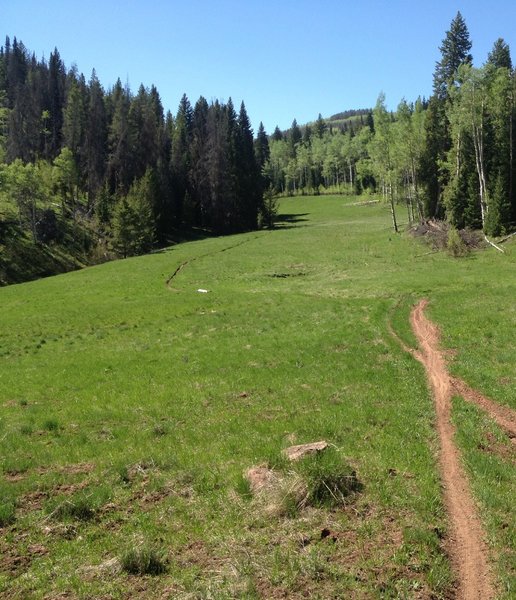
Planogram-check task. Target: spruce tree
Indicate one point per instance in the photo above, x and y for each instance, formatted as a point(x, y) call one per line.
point(248, 174)
point(119, 167)
point(95, 139)
point(320, 126)
point(199, 205)
point(180, 156)
point(454, 52)
point(277, 136)
point(74, 115)
point(56, 102)
point(500, 55)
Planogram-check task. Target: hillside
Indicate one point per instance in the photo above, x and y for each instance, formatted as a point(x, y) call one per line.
point(132, 403)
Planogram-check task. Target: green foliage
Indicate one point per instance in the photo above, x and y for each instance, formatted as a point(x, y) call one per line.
point(498, 214)
point(269, 210)
point(133, 219)
point(454, 52)
point(455, 244)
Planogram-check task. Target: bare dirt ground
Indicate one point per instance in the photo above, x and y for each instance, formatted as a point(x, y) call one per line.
point(466, 546)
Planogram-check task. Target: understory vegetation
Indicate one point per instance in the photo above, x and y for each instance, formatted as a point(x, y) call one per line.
point(131, 407)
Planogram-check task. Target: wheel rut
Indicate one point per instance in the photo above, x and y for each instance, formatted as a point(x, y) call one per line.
point(466, 544)
point(169, 280)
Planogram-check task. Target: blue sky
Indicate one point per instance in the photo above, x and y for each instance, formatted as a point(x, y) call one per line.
point(284, 58)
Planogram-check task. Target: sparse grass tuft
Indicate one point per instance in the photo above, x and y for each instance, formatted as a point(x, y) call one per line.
point(51, 425)
point(329, 480)
point(7, 513)
point(144, 560)
point(82, 506)
point(243, 487)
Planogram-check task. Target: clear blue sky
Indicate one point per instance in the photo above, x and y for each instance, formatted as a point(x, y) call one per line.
point(284, 58)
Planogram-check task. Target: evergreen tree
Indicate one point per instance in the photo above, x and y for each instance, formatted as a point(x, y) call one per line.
point(249, 191)
point(56, 102)
point(133, 219)
point(119, 163)
point(320, 126)
point(277, 136)
point(218, 168)
point(454, 52)
point(261, 146)
point(199, 204)
point(294, 137)
point(95, 139)
point(180, 157)
point(74, 115)
point(500, 55)
point(435, 175)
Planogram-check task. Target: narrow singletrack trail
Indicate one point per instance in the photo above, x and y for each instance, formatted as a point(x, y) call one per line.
point(467, 548)
point(504, 416)
point(169, 280)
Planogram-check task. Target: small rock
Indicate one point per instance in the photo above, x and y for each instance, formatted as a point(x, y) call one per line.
point(301, 450)
point(260, 478)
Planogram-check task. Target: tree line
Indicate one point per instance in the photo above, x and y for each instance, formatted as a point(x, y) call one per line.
point(449, 157)
point(128, 175)
point(70, 151)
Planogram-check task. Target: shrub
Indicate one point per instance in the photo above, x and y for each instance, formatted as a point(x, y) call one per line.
point(455, 244)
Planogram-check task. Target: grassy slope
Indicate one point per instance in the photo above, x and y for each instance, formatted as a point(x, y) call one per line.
point(23, 260)
point(165, 395)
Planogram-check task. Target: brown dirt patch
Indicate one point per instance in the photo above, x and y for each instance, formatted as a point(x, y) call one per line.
point(14, 562)
point(80, 468)
point(33, 501)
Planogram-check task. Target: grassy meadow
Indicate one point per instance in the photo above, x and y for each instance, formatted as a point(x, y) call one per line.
point(130, 408)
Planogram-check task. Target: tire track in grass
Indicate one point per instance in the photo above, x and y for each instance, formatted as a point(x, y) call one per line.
point(467, 548)
point(504, 416)
point(191, 260)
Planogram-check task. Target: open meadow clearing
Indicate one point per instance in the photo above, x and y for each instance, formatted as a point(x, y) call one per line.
point(131, 404)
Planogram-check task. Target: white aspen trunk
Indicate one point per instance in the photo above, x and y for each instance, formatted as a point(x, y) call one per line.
point(479, 162)
point(393, 210)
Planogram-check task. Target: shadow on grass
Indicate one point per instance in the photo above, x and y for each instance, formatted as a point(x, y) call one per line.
point(290, 220)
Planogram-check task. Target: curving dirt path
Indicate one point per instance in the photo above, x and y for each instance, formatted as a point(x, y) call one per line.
point(504, 416)
point(466, 545)
point(168, 282)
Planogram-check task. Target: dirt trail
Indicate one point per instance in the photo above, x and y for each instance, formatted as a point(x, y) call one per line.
point(466, 546)
point(169, 280)
point(503, 415)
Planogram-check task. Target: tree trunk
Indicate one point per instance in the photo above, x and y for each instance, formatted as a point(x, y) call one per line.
point(393, 210)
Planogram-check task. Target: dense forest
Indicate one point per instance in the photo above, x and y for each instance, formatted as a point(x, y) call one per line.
point(113, 164)
point(109, 170)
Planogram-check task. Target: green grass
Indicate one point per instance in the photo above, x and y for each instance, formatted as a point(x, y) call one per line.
point(143, 404)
